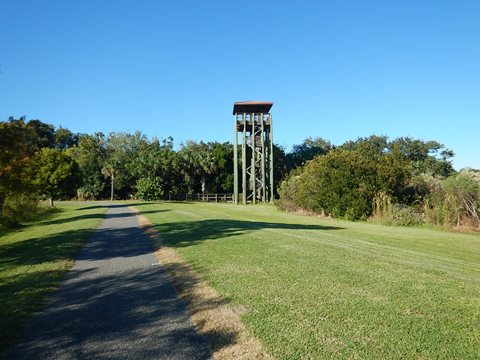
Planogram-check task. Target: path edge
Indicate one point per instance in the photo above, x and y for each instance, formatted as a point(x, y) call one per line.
point(211, 315)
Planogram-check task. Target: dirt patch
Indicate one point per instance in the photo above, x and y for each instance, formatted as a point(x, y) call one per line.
point(211, 315)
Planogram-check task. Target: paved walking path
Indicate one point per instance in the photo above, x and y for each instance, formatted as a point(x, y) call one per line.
point(115, 303)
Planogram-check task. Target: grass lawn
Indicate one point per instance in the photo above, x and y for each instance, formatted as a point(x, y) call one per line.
point(34, 258)
point(319, 288)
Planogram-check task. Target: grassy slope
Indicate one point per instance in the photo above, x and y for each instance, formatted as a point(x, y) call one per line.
point(319, 288)
point(34, 258)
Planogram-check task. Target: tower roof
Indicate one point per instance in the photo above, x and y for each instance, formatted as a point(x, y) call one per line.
point(249, 107)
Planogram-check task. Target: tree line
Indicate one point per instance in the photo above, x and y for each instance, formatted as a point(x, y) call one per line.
point(400, 181)
point(403, 181)
point(38, 159)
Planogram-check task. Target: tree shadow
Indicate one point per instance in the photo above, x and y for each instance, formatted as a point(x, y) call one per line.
point(107, 316)
point(105, 305)
point(181, 202)
point(106, 204)
point(186, 233)
point(100, 216)
point(22, 294)
point(45, 249)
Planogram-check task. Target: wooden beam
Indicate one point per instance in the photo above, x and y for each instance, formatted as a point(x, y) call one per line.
point(235, 159)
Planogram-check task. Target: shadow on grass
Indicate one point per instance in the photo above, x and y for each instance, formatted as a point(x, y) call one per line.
point(185, 233)
point(87, 304)
point(29, 272)
point(106, 204)
point(104, 317)
point(22, 294)
point(100, 216)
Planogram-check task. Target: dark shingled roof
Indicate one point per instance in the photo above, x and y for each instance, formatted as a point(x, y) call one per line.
point(249, 107)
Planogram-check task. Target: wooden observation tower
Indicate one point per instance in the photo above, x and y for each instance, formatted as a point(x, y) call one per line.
point(253, 121)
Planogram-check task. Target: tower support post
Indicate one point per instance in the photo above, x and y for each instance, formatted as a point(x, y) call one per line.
point(235, 160)
point(272, 193)
point(244, 159)
point(253, 120)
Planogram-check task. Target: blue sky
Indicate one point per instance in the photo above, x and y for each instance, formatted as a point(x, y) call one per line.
point(335, 69)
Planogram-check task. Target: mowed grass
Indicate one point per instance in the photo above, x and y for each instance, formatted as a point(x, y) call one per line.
point(319, 288)
point(33, 260)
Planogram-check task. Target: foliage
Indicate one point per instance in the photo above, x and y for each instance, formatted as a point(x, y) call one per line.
point(403, 215)
point(426, 157)
point(15, 160)
point(388, 213)
point(122, 149)
point(340, 181)
point(90, 154)
point(355, 179)
point(56, 173)
point(307, 150)
point(19, 207)
point(288, 191)
point(207, 167)
point(454, 201)
point(149, 188)
point(343, 183)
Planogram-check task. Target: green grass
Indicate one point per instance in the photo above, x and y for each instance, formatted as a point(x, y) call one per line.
point(33, 260)
point(319, 288)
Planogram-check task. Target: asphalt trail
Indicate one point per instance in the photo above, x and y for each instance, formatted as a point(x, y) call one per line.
point(115, 303)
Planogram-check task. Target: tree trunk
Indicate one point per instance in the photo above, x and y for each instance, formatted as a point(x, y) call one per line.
point(111, 189)
point(203, 185)
point(51, 201)
point(2, 201)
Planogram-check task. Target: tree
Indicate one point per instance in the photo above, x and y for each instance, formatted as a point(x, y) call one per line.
point(57, 173)
point(198, 162)
point(307, 150)
point(65, 139)
point(373, 145)
point(40, 134)
point(221, 181)
point(426, 157)
point(122, 150)
point(343, 183)
point(15, 159)
point(110, 171)
point(90, 154)
point(157, 160)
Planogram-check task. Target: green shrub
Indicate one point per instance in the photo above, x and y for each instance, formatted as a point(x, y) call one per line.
point(402, 215)
point(19, 208)
point(454, 201)
point(343, 183)
point(149, 188)
point(288, 192)
point(388, 213)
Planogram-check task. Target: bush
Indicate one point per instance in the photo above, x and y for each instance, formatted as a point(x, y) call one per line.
point(149, 188)
point(388, 213)
point(463, 193)
point(454, 201)
point(19, 208)
point(343, 183)
point(402, 215)
point(288, 192)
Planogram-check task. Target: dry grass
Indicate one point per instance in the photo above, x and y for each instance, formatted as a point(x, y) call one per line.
point(211, 315)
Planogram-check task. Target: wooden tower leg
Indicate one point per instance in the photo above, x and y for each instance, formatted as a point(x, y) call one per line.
point(235, 161)
point(244, 161)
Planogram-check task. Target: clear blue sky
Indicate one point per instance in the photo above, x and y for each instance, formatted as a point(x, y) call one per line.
point(334, 69)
